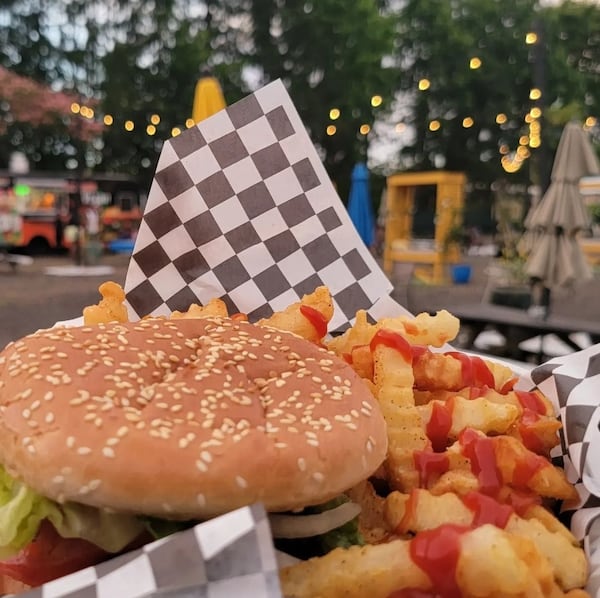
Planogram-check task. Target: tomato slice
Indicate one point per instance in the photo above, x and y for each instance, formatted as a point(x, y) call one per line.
point(50, 556)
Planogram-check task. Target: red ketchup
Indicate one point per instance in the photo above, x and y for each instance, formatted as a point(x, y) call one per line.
point(481, 454)
point(392, 339)
point(316, 318)
point(439, 425)
point(486, 509)
point(531, 401)
point(526, 468)
point(436, 552)
point(527, 432)
point(430, 465)
point(474, 370)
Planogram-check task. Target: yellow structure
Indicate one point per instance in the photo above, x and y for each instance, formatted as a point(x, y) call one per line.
point(208, 99)
point(400, 199)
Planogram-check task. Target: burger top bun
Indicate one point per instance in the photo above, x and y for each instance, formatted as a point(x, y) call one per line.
point(184, 418)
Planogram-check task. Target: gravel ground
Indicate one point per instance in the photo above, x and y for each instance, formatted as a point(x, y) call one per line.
point(31, 299)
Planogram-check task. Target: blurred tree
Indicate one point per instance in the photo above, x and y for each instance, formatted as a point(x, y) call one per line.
point(464, 63)
point(331, 55)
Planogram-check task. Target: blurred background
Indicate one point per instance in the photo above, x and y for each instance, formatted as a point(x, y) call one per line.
point(90, 89)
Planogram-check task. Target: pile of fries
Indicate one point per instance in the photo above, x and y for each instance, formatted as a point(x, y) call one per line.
point(464, 504)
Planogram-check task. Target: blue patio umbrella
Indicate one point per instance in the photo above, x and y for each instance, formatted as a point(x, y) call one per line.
point(360, 208)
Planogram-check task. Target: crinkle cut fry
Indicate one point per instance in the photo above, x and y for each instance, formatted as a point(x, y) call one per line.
point(491, 563)
point(516, 467)
point(481, 414)
point(423, 329)
point(393, 389)
point(420, 510)
point(443, 371)
point(292, 318)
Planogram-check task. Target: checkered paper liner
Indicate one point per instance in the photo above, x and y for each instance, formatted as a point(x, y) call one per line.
point(572, 383)
point(241, 208)
point(231, 555)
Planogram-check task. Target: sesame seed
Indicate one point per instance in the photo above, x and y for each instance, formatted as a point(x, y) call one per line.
point(318, 477)
point(201, 499)
point(301, 464)
point(58, 479)
point(70, 441)
point(201, 465)
point(108, 452)
point(241, 482)
point(49, 417)
point(84, 450)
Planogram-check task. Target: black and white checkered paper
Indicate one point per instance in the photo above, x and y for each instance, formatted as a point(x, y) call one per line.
point(242, 208)
point(231, 555)
point(572, 383)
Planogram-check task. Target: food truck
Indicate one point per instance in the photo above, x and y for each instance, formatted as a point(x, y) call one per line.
point(36, 210)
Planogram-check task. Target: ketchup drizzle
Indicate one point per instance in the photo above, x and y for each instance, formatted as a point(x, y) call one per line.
point(316, 318)
point(394, 340)
point(481, 454)
point(439, 424)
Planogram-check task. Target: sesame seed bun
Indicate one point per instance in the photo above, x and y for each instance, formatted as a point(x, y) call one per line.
point(184, 418)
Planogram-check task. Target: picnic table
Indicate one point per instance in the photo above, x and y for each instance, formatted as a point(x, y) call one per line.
point(517, 325)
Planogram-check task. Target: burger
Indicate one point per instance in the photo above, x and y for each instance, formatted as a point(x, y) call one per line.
point(115, 434)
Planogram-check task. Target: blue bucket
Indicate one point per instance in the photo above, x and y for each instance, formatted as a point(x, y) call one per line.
point(461, 273)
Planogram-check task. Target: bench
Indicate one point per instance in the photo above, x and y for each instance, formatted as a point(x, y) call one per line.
point(517, 325)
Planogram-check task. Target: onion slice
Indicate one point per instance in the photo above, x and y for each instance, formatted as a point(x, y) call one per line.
point(307, 526)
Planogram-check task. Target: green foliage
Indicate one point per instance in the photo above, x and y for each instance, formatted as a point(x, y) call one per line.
point(329, 53)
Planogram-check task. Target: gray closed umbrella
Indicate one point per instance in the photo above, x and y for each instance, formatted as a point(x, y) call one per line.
point(554, 255)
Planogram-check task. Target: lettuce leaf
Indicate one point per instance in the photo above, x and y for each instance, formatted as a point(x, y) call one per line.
point(22, 510)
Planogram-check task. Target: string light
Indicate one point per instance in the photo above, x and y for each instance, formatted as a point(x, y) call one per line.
point(151, 129)
point(503, 149)
point(424, 84)
point(528, 118)
point(524, 140)
point(590, 121)
point(155, 119)
point(334, 113)
point(376, 101)
point(175, 131)
point(364, 129)
point(535, 112)
point(467, 122)
point(189, 122)
point(531, 38)
point(501, 118)
point(75, 108)
point(108, 120)
point(535, 94)
point(474, 63)
point(331, 130)
point(129, 126)
point(434, 125)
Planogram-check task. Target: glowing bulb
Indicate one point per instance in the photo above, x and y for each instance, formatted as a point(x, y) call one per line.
point(523, 152)
point(424, 84)
point(155, 119)
point(376, 101)
point(334, 113)
point(108, 120)
point(364, 129)
point(175, 131)
point(434, 125)
point(591, 121)
point(528, 118)
point(501, 118)
point(535, 142)
point(189, 122)
point(504, 149)
point(150, 129)
point(524, 140)
point(467, 122)
point(75, 108)
point(535, 112)
point(474, 63)
point(535, 94)
point(331, 130)
point(90, 113)
point(531, 38)
point(129, 126)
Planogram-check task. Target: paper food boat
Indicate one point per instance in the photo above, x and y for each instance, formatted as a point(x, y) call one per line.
point(242, 208)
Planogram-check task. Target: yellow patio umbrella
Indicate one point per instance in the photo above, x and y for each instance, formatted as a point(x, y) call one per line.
point(208, 98)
